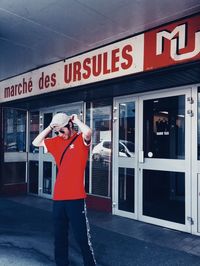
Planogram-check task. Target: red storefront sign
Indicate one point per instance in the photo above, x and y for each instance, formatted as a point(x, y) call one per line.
point(172, 44)
point(168, 45)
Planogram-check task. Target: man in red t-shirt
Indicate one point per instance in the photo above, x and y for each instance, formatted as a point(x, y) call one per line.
point(70, 151)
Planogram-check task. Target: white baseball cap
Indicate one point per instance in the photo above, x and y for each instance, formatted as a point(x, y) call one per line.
point(60, 119)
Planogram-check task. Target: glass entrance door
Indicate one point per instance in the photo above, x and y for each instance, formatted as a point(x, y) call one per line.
point(152, 158)
point(164, 159)
point(47, 166)
point(125, 157)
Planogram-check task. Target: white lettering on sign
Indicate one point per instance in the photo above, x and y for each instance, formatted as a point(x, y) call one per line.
point(178, 38)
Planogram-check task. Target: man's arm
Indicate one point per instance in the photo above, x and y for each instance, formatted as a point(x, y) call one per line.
point(39, 140)
point(56, 121)
point(87, 132)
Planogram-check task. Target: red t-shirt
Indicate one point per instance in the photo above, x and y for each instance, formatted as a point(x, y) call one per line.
point(70, 178)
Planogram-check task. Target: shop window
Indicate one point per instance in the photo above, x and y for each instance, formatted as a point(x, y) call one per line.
point(34, 131)
point(98, 171)
point(14, 173)
point(14, 130)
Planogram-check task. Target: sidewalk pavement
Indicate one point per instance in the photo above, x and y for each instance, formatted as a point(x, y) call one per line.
point(26, 238)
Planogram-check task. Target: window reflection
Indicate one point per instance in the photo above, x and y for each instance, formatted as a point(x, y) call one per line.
point(126, 129)
point(99, 116)
point(164, 127)
point(14, 130)
point(34, 130)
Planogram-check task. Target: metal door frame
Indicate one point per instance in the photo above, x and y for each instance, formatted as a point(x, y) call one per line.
point(195, 204)
point(125, 162)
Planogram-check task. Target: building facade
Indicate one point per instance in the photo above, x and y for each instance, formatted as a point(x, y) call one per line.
point(141, 97)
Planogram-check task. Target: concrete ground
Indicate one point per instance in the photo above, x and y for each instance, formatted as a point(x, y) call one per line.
point(26, 238)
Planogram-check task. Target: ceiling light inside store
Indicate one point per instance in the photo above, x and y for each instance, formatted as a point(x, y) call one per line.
point(164, 112)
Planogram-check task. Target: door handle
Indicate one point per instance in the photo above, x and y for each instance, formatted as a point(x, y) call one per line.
point(141, 156)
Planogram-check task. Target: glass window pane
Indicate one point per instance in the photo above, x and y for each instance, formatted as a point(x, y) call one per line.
point(126, 129)
point(164, 195)
point(164, 127)
point(14, 172)
point(33, 177)
point(47, 177)
point(34, 130)
point(101, 149)
point(14, 130)
point(126, 195)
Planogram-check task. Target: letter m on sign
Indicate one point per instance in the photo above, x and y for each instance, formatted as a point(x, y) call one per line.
point(175, 43)
point(178, 38)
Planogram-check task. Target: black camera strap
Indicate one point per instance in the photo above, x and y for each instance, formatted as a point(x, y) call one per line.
point(67, 148)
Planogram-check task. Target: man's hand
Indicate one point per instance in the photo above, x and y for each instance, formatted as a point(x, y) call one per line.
point(87, 132)
point(54, 125)
point(74, 118)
